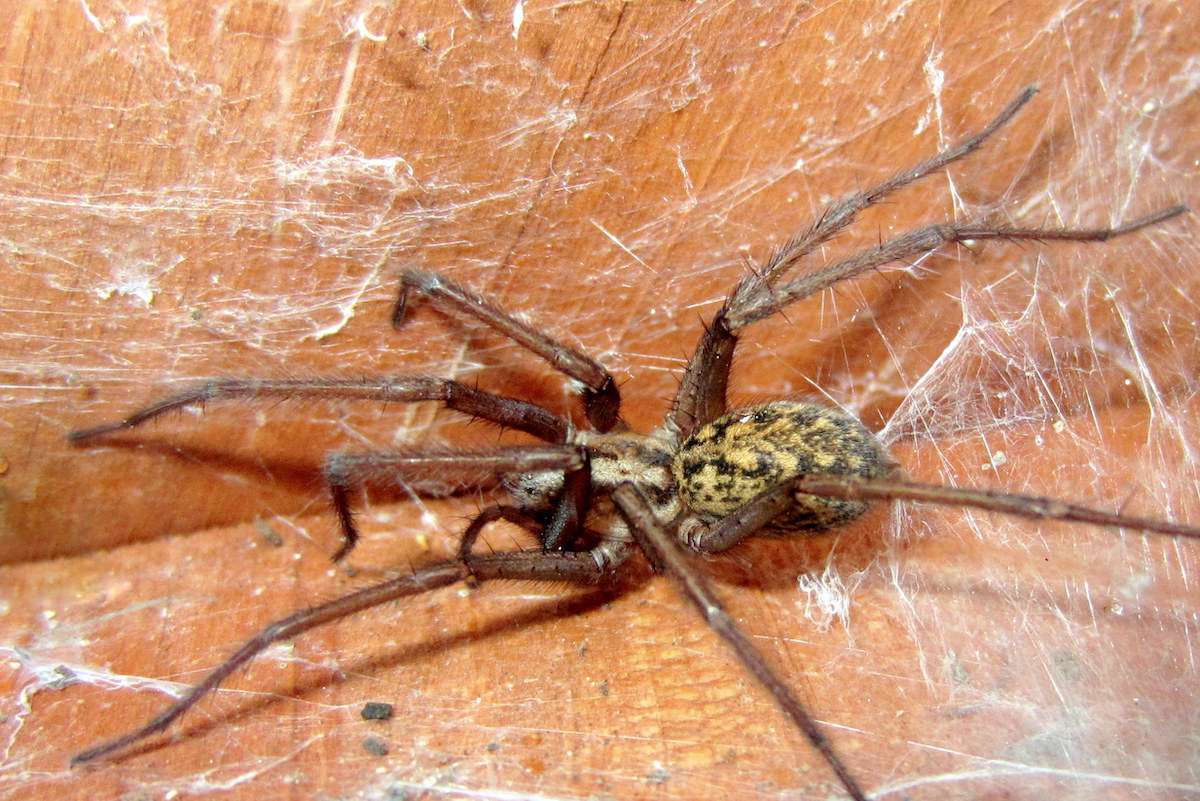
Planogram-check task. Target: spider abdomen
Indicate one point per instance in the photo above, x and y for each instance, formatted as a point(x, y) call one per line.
point(727, 463)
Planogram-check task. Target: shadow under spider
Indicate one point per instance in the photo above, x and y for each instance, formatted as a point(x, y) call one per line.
point(542, 612)
point(769, 563)
point(852, 549)
point(294, 476)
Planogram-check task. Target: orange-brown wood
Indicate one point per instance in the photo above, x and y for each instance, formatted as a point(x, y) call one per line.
point(199, 190)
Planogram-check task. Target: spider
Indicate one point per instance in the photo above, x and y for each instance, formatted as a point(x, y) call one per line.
point(706, 479)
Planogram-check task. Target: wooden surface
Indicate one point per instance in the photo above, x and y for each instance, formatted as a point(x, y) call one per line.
point(193, 191)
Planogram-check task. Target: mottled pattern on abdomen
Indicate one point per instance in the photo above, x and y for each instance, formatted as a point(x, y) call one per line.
point(740, 455)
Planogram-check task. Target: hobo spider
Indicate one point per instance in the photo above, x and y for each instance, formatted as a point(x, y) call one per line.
point(706, 479)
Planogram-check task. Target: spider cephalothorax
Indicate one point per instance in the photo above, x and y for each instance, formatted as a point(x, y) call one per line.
point(614, 458)
point(708, 478)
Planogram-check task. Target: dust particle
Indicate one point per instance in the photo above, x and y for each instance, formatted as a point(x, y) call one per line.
point(375, 710)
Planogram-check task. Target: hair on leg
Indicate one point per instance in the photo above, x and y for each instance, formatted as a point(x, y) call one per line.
point(508, 412)
point(601, 398)
point(345, 472)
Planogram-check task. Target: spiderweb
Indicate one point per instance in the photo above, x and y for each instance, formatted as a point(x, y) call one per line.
point(232, 191)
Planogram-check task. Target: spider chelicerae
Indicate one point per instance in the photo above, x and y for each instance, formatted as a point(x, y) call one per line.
point(706, 479)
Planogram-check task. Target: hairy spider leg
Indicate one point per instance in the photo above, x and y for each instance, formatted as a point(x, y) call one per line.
point(578, 568)
point(923, 240)
point(608, 554)
point(342, 471)
point(1031, 506)
point(841, 214)
point(702, 392)
point(489, 515)
point(658, 543)
point(745, 522)
point(750, 518)
point(346, 471)
point(505, 411)
point(601, 397)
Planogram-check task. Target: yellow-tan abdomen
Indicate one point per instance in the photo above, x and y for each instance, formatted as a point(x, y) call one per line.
point(740, 455)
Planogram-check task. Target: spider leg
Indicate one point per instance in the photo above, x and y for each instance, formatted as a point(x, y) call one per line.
point(566, 521)
point(841, 214)
point(601, 398)
point(490, 515)
point(702, 393)
point(746, 521)
point(426, 579)
point(1031, 506)
point(580, 568)
point(344, 472)
point(508, 412)
point(663, 552)
point(920, 241)
point(751, 517)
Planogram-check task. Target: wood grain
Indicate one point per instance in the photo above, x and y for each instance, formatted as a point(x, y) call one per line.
point(200, 190)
